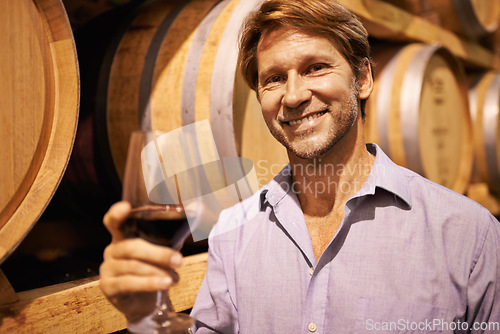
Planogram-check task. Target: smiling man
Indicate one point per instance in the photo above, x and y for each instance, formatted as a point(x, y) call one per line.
point(309, 96)
point(342, 240)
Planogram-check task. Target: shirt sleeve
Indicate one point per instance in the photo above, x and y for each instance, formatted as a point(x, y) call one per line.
point(483, 294)
point(214, 310)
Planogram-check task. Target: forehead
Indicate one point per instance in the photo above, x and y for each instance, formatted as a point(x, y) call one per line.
point(289, 35)
point(283, 45)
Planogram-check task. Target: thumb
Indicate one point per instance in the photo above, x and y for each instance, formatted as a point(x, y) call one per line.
point(114, 219)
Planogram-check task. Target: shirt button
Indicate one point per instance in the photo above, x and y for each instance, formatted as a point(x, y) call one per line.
point(312, 327)
point(311, 271)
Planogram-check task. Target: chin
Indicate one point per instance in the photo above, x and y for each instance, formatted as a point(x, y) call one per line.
point(310, 149)
point(310, 153)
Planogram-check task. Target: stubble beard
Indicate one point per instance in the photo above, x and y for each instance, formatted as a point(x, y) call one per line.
point(335, 133)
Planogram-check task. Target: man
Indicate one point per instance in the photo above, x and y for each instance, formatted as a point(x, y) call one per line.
point(342, 240)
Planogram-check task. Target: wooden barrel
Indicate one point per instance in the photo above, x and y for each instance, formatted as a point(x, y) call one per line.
point(484, 98)
point(418, 113)
point(40, 95)
point(90, 184)
point(155, 43)
point(470, 18)
point(193, 76)
point(171, 64)
point(420, 8)
point(412, 6)
point(213, 89)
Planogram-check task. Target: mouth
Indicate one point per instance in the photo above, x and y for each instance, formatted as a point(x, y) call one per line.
point(306, 119)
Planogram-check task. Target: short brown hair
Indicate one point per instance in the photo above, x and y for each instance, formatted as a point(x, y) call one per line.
point(324, 18)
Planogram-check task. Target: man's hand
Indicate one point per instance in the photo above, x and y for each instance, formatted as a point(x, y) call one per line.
point(134, 269)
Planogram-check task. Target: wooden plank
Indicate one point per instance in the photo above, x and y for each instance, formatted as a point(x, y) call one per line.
point(385, 21)
point(80, 306)
point(183, 295)
point(76, 307)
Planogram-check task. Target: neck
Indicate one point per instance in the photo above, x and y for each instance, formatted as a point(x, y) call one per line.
point(326, 183)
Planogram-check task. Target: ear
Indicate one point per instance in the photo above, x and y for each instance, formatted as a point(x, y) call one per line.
point(365, 80)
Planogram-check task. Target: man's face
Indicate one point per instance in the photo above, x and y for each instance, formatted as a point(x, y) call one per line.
point(307, 91)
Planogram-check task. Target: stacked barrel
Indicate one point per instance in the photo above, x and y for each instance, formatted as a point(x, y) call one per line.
point(170, 63)
point(165, 64)
point(475, 19)
point(419, 113)
point(431, 111)
point(162, 64)
point(485, 110)
point(147, 64)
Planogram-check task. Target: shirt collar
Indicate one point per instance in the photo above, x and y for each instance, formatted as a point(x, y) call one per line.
point(277, 189)
point(385, 174)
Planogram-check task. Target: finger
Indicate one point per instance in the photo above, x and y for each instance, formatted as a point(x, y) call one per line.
point(115, 217)
point(112, 286)
point(132, 267)
point(141, 250)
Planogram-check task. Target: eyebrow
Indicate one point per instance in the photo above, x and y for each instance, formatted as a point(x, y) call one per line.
point(265, 74)
point(311, 58)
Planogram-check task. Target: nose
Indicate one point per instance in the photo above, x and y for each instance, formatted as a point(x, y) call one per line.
point(296, 91)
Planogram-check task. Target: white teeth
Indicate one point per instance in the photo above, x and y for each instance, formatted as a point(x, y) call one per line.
point(306, 119)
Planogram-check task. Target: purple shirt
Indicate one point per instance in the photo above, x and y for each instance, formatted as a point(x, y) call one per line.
point(409, 256)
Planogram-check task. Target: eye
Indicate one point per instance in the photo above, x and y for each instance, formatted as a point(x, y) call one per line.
point(274, 79)
point(315, 68)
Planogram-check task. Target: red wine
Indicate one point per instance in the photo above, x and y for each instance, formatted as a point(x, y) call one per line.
point(161, 225)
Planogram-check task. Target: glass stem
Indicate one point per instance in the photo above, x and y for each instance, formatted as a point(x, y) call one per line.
point(163, 302)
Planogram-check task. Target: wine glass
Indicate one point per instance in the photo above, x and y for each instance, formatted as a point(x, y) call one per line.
point(157, 216)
